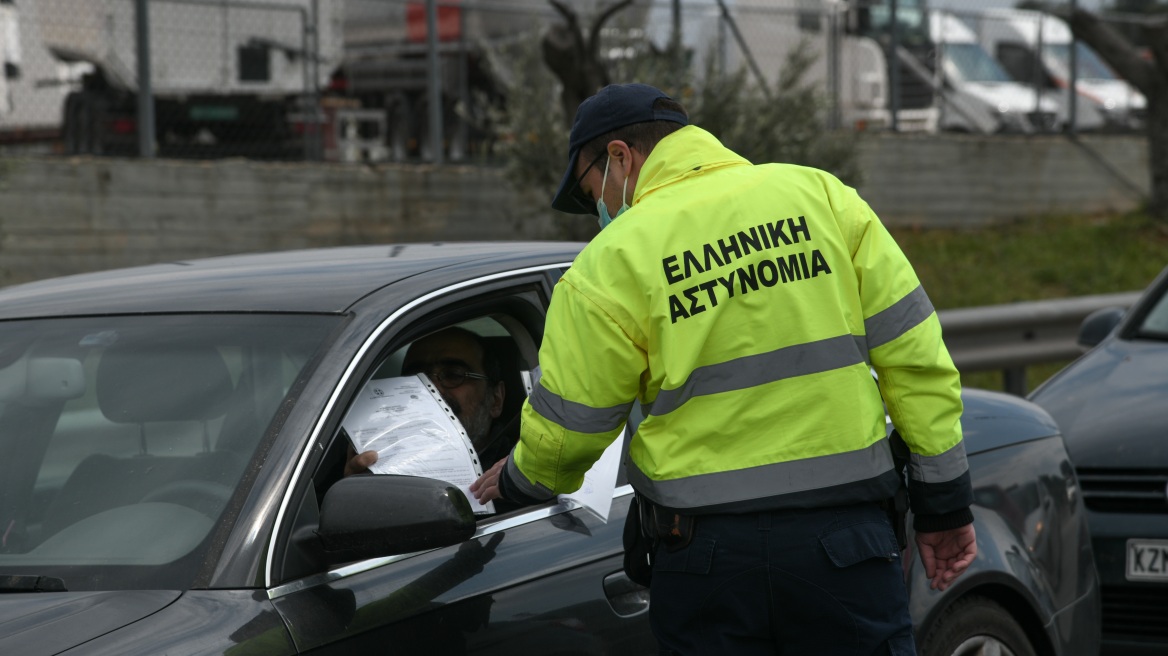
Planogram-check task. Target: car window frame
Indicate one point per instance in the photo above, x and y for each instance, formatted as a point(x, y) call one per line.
point(407, 321)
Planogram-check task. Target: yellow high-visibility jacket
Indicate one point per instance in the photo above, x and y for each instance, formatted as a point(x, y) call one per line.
point(742, 306)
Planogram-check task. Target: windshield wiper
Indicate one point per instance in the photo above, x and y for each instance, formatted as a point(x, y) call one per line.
point(31, 583)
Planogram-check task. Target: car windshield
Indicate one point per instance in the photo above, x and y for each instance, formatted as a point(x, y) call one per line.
point(971, 63)
point(123, 438)
point(1088, 64)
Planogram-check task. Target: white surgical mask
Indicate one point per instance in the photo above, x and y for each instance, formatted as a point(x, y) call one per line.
point(601, 209)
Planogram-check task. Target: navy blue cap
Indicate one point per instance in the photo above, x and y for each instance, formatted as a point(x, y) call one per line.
point(613, 107)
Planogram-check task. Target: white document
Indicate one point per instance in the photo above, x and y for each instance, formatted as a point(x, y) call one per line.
point(414, 432)
point(596, 492)
point(599, 483)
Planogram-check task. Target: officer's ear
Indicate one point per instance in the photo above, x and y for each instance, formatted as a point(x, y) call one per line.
point(625, 160)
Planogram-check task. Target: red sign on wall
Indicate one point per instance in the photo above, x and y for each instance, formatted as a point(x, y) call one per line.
point(449, 21)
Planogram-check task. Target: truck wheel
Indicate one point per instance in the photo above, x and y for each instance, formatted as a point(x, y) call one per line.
point(73, 129)
point(84, 121)
point(976, 626)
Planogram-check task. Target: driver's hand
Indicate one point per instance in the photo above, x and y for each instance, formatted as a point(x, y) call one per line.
point(359, 463)
point(486, 488)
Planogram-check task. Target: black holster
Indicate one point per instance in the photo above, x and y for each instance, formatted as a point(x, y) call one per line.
point(639, 544)
point(648, 526)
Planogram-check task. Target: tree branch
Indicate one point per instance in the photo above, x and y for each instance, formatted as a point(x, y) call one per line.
point(1157, 34)
point(573, 23)
point(594, 35)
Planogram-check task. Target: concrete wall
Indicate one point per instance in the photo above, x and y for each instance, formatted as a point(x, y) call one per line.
point(67, 215)
point(955, 181)
point(70, 215)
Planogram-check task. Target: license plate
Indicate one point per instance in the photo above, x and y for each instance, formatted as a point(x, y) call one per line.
point(1147, 560)
point(213, 113)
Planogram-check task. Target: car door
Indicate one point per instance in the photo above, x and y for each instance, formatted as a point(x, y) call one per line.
point(545, 579)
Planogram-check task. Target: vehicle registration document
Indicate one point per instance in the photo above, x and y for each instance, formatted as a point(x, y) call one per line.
point(596, 492)
point(415, 433)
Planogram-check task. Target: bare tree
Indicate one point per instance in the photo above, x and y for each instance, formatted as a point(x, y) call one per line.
point(574, 57)
point(1149, 75)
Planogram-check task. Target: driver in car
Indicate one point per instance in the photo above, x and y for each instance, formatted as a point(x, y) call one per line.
point(470, 379)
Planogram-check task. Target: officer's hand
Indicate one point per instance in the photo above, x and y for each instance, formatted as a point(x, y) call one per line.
point(486, 488)
point(359, 463)
point(946, 554)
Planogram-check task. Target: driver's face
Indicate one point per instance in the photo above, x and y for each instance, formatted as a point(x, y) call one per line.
point(475, 401)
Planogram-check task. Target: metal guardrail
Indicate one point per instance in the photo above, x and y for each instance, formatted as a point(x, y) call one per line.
point(1012, 336)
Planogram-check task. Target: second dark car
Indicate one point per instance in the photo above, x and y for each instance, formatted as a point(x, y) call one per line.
point(1112, 406)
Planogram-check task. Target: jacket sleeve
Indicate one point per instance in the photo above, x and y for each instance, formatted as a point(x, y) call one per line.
point(590, 374)
point(918, 381)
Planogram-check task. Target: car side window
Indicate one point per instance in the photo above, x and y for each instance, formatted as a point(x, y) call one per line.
point(475, 366)
point(486, 394)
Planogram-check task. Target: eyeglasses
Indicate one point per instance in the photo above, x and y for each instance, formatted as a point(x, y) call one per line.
point(448, 376)
point(578, 194)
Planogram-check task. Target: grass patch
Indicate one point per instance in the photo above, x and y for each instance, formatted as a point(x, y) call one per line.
point(1035, 259)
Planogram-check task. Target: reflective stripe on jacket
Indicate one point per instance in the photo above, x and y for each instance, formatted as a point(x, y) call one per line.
point(741, 306)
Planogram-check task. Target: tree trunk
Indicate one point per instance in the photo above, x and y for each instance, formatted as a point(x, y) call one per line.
point(573, 55)
point(1158, 151)
point(1150, 76)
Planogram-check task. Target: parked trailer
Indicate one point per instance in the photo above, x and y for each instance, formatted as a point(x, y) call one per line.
point(235, 78)
point(848, 42)
point(385, 66)
point(33, 83)
point(9, 53)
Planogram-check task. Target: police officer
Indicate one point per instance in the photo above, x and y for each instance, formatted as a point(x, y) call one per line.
point(742, 305)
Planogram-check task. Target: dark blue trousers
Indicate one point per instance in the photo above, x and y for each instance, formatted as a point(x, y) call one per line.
point(796, 582)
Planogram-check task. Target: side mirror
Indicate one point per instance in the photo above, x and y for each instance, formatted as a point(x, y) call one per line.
point(370, 516)
point(1098, 325)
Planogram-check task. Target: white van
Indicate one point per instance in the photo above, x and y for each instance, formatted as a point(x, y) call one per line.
point(847, 65)
point(1035, 48)
point(976, 94)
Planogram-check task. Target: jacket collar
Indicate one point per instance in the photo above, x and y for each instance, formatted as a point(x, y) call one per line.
point(688, 152)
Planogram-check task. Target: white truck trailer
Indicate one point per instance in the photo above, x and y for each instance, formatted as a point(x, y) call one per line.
point(228, 78)
point(9, 53)
point(33, 83)
point(848, 40)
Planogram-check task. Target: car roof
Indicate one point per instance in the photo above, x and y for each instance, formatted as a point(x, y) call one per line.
point(326, 280)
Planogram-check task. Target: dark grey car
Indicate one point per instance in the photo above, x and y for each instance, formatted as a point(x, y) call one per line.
point(1112, 406)
point(172, 450)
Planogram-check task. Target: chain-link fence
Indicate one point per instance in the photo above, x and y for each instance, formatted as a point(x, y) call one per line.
point(236, 78)
point(361, 80)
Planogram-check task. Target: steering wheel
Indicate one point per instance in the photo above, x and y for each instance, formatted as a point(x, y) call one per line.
point(207, 497)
